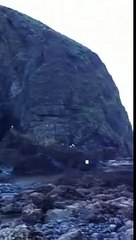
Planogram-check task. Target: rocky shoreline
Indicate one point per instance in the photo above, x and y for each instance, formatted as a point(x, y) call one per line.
point(71, 206)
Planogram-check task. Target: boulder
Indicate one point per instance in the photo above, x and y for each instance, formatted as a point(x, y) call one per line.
point(31, 214)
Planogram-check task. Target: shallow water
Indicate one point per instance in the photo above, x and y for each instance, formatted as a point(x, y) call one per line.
point(112, 170)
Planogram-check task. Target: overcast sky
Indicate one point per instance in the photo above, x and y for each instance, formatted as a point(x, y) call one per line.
point(104, 26)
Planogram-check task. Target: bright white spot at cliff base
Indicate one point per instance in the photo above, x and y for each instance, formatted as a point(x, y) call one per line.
point(87, 162)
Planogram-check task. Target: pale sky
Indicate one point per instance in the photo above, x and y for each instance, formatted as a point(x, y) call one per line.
point(104, 26)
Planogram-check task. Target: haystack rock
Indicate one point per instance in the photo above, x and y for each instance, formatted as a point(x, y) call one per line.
point(58, 103)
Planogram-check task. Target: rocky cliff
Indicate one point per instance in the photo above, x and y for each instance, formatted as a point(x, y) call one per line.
point(57, 95)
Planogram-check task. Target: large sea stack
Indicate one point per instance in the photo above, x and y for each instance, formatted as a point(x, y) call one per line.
point(58, 103)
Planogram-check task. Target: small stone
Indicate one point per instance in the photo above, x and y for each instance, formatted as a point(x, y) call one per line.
point(38, 238)
point(94, 235)
point(112, 227)
point(129, 234)
point(58, 215)
point(113, 234)
point(129, 224)
point(72, 235)
point(48, 232)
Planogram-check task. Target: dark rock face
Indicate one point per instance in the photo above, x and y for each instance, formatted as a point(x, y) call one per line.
point(57, 93)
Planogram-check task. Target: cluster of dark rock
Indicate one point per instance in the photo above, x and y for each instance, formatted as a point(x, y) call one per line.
point(79, 206)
